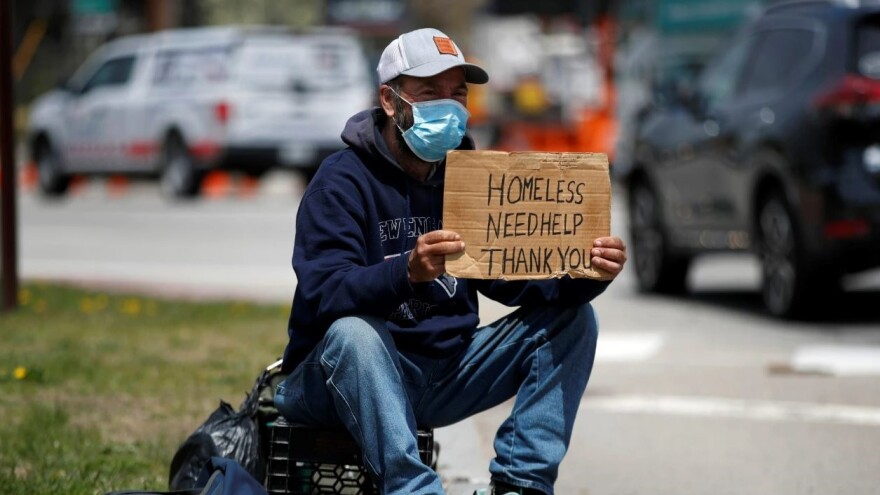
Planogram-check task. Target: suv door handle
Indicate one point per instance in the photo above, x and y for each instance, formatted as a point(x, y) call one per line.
point(766, 116)
point(711, 127)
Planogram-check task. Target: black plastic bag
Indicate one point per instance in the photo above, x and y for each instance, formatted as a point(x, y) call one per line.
point(230, 434)
point(189, 459)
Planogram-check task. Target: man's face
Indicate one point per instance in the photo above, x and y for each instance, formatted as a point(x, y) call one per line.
point(449, 84)
point(445, 85)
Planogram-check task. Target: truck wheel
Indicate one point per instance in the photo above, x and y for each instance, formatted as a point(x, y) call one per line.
point(53, 181)
point(657, 269)
point(179, 179)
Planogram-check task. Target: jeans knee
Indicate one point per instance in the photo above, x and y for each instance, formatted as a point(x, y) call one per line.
point(582, 324)
point(354, 337)
point(587, 315)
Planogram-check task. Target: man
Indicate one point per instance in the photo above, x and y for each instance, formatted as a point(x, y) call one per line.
point(382, 340)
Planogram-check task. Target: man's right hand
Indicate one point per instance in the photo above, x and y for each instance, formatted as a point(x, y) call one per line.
point(427, 260)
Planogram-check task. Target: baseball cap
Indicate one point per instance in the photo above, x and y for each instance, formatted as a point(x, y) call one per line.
point(425, 53)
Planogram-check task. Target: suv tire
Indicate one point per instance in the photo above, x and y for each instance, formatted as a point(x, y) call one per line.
point(179, 179)
point(789, 287)
point(53, 181)
point(657, 269)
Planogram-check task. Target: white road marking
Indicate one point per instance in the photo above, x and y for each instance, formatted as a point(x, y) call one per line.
point(756, 410)
point(464, 454)
point(627, 347)
point(837, 360)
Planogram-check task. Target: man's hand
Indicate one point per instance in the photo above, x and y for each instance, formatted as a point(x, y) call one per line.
point(427, 260)
point(609, 254)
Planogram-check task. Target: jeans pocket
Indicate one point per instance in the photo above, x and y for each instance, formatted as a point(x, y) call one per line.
point(288, 400)
point(303, 397)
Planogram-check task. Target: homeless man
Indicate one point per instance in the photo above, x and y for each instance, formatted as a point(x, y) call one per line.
point(382, 340)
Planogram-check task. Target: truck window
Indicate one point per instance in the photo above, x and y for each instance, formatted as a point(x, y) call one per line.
point(302, 63)
point(270, 64)
point(186, 67)
point(114, 72)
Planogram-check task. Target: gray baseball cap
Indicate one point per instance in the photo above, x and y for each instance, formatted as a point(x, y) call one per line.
point(425, 53)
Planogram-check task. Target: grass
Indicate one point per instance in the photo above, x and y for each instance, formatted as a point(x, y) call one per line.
point(97, 390)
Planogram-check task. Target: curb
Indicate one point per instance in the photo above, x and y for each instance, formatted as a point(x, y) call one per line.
point(215, 185)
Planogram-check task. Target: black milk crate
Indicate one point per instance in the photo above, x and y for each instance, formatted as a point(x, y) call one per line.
point(306, 460)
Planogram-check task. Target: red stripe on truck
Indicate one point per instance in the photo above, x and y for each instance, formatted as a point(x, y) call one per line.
point(142, 148)
point(205, 150)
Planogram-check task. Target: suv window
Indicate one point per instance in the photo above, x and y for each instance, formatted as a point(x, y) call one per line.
point(778, 57)
point(868, 48)
point(191, 66)
point(114, 72)
point(719, 81)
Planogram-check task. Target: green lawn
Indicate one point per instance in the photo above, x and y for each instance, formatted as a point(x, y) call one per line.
point(97, 390)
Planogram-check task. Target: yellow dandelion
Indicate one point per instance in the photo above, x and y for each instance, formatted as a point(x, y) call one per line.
point(24, 297)
point(101, 301)
point(131, 307)
point(20, 373)
point(86, 305)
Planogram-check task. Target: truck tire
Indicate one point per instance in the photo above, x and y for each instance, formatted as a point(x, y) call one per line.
point(180, 179)
point(53, 182)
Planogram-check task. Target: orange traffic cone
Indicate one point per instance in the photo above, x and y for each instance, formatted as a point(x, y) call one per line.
point(216, 184)
point(117, 185)
point(29, 176)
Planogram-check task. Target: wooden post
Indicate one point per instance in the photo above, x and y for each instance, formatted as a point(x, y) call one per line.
point(158, 15)
point(8, 216)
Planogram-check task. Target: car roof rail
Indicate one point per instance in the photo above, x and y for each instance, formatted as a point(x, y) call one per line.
point(786, 4)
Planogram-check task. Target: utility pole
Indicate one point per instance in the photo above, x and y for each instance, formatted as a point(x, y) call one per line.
point(8, 216)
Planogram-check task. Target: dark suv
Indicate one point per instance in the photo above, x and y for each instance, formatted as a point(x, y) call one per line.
point(774, 149)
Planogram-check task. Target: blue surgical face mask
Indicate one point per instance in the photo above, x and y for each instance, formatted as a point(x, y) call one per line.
point(438, 126)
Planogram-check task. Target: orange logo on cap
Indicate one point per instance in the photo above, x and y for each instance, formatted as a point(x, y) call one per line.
point(445, 46)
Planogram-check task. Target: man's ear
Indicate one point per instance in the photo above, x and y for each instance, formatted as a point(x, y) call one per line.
point(386, 99)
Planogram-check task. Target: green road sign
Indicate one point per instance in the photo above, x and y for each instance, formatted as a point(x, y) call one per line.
point(88, 7)
point(680, 16)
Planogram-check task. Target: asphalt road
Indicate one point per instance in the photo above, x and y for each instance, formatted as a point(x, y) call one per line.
point(690, 395)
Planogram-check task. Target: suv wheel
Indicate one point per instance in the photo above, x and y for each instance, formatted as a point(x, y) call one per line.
point(657, 270)
point(52, 179)
point(789, 285)
point(179, 179)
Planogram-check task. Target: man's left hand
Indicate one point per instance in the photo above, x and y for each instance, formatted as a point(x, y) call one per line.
point(609, 254)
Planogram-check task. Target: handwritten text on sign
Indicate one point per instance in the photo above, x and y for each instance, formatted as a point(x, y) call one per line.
point(526, 215)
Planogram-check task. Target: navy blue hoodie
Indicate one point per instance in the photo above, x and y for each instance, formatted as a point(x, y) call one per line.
point(358, 219)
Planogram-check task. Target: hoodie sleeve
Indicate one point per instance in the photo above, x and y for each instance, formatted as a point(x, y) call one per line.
point(330, 261)
point(565, 292)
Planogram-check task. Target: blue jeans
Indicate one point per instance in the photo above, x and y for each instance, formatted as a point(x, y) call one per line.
point(357, 378)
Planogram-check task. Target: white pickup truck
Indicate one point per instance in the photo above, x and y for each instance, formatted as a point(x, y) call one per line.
point(178, 103)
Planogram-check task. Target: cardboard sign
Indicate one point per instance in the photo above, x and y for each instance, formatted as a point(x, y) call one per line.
point(526, 215)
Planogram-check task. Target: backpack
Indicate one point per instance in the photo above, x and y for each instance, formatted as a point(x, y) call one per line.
point(219, 476)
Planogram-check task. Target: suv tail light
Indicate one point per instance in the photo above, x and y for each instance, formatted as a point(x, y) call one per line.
point(847, 229)
point(222, 111)
point(850, 96)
